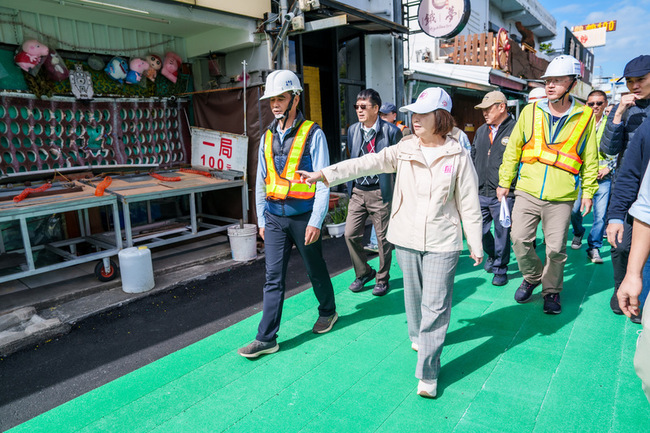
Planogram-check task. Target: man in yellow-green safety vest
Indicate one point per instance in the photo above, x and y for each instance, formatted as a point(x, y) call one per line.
point(289, 212)
point(551, 147)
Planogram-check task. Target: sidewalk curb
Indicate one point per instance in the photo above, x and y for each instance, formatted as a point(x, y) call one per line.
point(23, 327)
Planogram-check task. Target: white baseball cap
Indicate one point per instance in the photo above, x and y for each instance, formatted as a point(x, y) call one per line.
point(430, 99)
point(537, 93)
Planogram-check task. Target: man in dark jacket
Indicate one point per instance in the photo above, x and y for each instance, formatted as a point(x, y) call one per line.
point(487, 152)
point(625, 193)
point(370, 196)
point(620, 129)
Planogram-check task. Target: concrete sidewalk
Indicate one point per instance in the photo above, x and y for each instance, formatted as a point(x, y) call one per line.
point(38, 308)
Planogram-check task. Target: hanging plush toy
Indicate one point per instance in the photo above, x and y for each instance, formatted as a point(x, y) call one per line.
point(81, 83)
point(117, 69)
point(170, 66)
point(55, 67)
point(138, 66)
point(155, 63)
point(31, 56)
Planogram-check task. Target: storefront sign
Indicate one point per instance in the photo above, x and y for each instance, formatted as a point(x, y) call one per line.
point(609, 25)
point(219, 150)
point(592, 38)
point(573, 47)
point(443, 18)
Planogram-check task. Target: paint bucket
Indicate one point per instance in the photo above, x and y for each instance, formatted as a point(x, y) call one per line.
point(136, 269)
point(243, 242)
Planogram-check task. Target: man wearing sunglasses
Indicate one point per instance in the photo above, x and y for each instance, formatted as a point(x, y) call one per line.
point(370, 195)
point(597, 100)
point(622, 126)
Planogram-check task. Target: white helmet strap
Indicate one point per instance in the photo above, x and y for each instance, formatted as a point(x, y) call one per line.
point(285, 115)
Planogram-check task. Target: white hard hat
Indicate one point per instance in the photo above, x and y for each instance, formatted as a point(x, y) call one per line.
point(430, 99)
point(537, 93)
point(279, 82)
point(562, 66)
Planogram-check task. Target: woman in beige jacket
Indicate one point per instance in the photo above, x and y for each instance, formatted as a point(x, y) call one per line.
point(435, 190)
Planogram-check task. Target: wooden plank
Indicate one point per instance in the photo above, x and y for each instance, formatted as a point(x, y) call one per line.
point(481, 49)
point(474, 49)
point(490, 49)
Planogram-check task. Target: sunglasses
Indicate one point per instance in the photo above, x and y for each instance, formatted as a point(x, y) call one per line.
point(597, 103)
point(361, 106)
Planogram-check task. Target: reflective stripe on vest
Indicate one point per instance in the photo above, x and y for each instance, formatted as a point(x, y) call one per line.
point(288, 184)
point(401, 126)
point(563, 155)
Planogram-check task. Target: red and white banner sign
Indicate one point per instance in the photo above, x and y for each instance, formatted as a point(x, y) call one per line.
point(219, 150)
point(592, 38)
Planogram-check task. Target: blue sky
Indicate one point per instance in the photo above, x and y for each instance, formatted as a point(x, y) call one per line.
point(628, 41)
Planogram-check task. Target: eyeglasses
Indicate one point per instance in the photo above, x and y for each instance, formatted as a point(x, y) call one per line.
point(597, 103)
point(361, 106)
point(555, 81)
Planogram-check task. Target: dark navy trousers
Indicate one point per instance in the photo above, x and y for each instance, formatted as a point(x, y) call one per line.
point(280, 234)
point(497, 246)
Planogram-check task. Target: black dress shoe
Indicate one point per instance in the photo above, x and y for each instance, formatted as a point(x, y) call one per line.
point(613, 304)
point(380, 289)
point(500, 280)
point(636, 319)
point(357, 285)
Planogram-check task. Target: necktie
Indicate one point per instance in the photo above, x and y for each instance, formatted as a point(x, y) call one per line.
point(491, 135)
point(369, 139)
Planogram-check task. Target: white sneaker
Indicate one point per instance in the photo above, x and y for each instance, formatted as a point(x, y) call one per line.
point(414, 346)
point(428, 388)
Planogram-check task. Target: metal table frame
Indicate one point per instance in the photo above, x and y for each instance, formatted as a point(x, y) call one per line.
point(51, 205)
point(196, 212)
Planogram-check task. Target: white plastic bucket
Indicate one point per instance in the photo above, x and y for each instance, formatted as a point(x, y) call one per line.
point(243, 242)
point(136, 269)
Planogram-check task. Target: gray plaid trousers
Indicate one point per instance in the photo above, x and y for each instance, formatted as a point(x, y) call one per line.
point(428, 286)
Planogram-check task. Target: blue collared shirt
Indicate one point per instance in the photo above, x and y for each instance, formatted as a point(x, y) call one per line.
point(320, 159)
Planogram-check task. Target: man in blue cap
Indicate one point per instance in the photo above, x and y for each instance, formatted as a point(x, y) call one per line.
point(620, 129)
point(388, 113)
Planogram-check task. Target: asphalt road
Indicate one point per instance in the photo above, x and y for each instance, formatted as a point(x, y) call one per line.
point(110, 345)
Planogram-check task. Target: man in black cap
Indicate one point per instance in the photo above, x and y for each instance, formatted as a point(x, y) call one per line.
point(388, 113)
point(621, 126)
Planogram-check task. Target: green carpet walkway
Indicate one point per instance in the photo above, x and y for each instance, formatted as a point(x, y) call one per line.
point(505, 368)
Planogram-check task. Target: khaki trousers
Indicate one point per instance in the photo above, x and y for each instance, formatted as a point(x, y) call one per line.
point(555, 216)
point(364, 204)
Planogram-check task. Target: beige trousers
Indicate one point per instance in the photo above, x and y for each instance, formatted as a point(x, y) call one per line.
point(363, 205)
point(555, 216)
